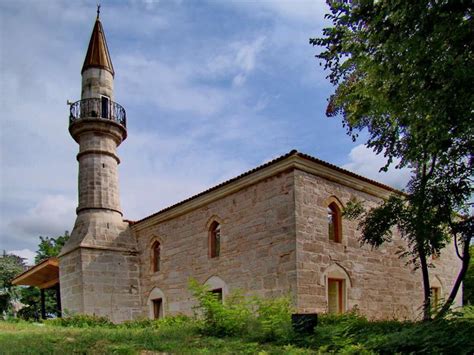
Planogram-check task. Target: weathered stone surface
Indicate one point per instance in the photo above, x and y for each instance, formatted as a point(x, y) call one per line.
point(274, 238)
point(381, 284)
point(257, 246)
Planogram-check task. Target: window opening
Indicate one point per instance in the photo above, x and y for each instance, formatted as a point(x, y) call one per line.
point(334, 223)
point(105, 106)
point(157, 308)
point(218, 293)
point(156, 258)
point(215, 240)
point(336, 292)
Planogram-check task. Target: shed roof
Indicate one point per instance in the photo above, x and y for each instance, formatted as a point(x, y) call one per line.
point(45, 274)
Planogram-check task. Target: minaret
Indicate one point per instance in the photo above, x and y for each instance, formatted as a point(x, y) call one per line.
point(98, 265)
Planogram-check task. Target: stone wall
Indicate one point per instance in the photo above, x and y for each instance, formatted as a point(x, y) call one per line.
point(96, 82)
point(98, 167)
point(70, 276)
point(378, 283)
point(101, 282)
point(257, 247)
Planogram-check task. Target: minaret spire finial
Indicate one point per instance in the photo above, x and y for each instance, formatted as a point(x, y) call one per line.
point(98, 10)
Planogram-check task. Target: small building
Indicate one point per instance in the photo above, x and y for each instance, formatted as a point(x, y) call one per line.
point(276, 230)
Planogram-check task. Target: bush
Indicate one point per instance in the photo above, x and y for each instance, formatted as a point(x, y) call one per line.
point(81, 321)
point(175, 321)
point(219, 319)
point(273, 322)
point(352, 333)
point(256, 319)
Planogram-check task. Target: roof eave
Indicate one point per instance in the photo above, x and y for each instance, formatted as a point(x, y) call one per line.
point(291, 161)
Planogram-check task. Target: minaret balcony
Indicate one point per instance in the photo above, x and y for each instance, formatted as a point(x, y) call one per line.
point(97, 108)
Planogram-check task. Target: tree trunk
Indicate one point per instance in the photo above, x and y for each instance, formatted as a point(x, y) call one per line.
point(426, 286)
point(466, 257)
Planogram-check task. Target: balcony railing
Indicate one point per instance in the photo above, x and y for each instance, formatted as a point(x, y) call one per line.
point(101, 108)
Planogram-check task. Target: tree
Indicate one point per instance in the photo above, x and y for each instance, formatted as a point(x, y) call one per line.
point(468, 284)
point(10, 266)
point(49, 247)
point(403, 73)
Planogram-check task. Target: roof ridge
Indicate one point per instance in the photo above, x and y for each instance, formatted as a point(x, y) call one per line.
point(293, 152)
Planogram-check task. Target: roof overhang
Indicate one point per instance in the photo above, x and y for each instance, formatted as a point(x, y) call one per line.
point(43, 275)
point(291, 161)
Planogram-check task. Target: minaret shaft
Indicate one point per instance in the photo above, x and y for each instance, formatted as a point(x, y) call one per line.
point(100, 255)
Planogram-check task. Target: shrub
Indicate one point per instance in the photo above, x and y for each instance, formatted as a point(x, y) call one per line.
point(254, 318)
point(219, 319)
point(273, 321)
point(81, 321)
point(349, 332)
point(174, 321)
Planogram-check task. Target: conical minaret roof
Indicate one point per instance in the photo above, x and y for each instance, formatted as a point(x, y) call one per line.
point(98, 53)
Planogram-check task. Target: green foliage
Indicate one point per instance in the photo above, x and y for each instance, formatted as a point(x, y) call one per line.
point(273, 319)
point(49, 246)
point(348, 333)
point(253, 318)
point(80, 321)
point(10, 266)
point(352, 333)
point(31, 297)
point(174, 321)
point(219, 319)
point(403, 72)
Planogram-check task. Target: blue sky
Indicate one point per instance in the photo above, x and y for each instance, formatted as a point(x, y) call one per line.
point(211, 89)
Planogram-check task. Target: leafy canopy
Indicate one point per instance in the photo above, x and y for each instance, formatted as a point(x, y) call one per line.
point(49, 246)
point(403, 72)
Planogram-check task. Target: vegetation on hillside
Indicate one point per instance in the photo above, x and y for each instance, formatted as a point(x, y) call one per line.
point(345, 334)
point(238, 325)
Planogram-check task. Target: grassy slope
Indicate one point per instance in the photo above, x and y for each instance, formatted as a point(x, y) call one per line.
point(344, 334)
point(24, 338)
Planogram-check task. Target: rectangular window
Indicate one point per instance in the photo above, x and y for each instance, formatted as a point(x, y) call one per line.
point(157, 308)
point(218, 293)
point(336, 297)
point(105, 106)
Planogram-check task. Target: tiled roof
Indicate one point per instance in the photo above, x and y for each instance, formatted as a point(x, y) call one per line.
point(261, 167)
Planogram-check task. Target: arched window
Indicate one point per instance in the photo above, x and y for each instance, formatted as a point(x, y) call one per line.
point(156, 256)
point(214, 240)
point(217, 287)
point(334, 222)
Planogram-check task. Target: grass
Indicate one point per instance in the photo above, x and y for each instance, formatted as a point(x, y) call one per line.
point(40, 338)
point(232, 329)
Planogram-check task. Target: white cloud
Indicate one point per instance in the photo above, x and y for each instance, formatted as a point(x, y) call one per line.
point(294, 10)
point(237, 59)
point(51, 216)
point(26, 254)
point(365, 162)
point(170, 87)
